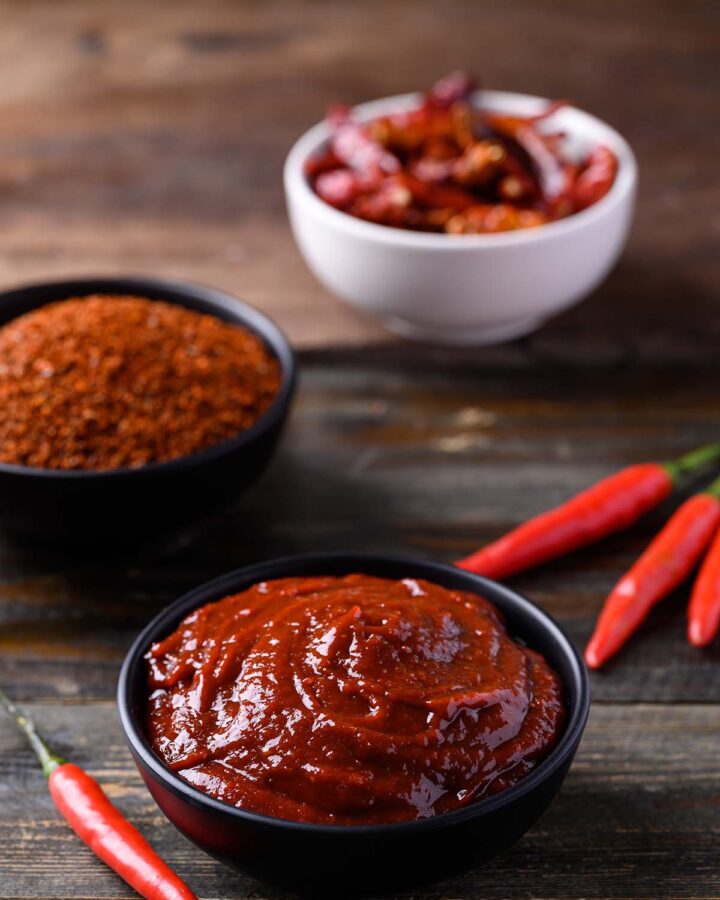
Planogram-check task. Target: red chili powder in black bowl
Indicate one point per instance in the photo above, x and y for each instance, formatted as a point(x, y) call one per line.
point(106, 382)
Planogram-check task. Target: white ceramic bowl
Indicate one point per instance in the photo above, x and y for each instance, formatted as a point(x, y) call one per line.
point(464, 289)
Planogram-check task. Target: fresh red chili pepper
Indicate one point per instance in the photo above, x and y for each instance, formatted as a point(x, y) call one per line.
point(704, 608)
point(98, 823)
point(665, 564)
point(610, 505)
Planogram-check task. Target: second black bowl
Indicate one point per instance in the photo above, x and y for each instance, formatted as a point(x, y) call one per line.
point(127, 505)
point(340, 859)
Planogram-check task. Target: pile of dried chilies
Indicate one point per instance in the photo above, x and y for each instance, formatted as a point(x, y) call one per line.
point(614, 504)
point(447, 166)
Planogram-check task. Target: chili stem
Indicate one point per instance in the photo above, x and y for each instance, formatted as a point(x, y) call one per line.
point(713, 489)
point(693, 460)
point(48, 760)
point(611, 504)
point(88, 811)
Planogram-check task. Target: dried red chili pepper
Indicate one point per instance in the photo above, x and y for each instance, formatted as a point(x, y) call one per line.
point(97, 822)
point(339, 187)
point(323, 162)
point(352, 144)
point(548, 167)
point(493, 218)
point(510, 123)
point(610, 505)
point(437, 196)
point(516, 187)
point(665, 564)
point(595, 178)
point(448, 90)
point(387, 204)
point(479, 164)
point(431, 169)
point(484, 172)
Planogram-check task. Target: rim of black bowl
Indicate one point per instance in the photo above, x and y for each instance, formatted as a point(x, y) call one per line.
point(306, 564)
point(167, 290)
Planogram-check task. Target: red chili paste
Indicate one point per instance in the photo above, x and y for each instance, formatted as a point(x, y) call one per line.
point(350, 700)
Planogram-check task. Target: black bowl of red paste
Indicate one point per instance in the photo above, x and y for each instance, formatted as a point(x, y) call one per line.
point(128, 498)
point(341, 723)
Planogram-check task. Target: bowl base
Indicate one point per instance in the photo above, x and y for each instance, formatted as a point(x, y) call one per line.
point(463, 337)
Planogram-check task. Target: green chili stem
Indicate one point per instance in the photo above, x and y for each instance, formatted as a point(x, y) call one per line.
point(713, 489)
point(693, 460)
point(48, 760)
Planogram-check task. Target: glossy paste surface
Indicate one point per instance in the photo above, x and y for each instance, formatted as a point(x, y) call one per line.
point(351, 700)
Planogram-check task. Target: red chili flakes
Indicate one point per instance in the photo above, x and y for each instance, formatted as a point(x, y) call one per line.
point(107, 382)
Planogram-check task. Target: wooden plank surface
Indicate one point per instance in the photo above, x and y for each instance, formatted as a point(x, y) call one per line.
point(429, 464)
point(650, 826)
point(149, 138)
point(423, 463)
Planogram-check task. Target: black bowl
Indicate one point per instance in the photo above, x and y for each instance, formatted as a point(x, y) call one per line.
point(128, 505)
point(341, 859)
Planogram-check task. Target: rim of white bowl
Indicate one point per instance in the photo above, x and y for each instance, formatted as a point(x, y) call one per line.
point(581, 122)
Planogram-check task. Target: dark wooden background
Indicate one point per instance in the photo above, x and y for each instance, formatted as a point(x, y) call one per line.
point(149, 137)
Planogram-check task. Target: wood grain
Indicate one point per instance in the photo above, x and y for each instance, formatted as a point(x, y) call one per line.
point(149, 138)
point(623, 826)
point(152, 140)
point(423, 463)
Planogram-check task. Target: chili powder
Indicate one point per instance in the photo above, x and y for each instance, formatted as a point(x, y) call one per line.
point(109, 382)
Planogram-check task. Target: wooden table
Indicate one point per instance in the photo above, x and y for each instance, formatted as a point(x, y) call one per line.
point(149, 138)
